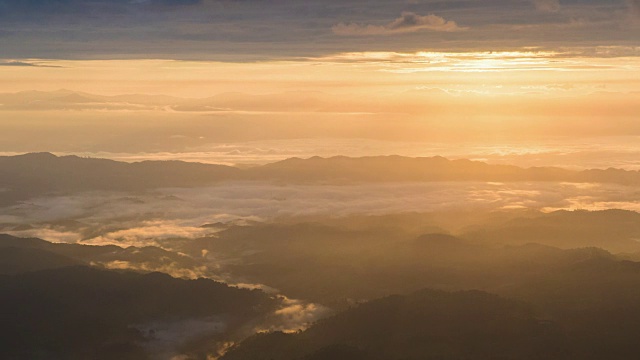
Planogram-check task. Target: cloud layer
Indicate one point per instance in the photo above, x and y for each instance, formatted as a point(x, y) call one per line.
point(250, 30)
point(547, 5)
point(158, 219)
point(406, 23)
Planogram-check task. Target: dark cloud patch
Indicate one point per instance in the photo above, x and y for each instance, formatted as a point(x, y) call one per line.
point(547, 5)
point(168, 2)
point(35, 4)
point(39, 10)
point(23, 63)
point(407, 22)
point(634, 5)
point(15, 63)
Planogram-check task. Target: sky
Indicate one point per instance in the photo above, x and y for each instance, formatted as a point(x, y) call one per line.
point(245, 30)
point(240, 71)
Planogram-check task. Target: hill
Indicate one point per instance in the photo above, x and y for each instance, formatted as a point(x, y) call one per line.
point(424, 325)
point(614, 230)
point(79, 312)
point(29, 254)
point(36, 174)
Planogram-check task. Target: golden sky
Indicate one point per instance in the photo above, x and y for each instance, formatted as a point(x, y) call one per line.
point(527, 71)
point(229, 71)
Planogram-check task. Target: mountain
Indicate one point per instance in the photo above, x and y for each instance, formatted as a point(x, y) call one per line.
point(424, 325)
point(35, 174)
point(399, 168)
point(595, 324)
point(29, 254)
point(80, 312)
point(333, 264)
point(386, 168)
point(613, 230)
point(15, 260)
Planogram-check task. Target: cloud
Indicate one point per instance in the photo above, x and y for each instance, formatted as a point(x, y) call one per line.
point(634, 6)
point(23, 63)
point(76, 5)
point(148, 233)
point(250, 286)
point(408, 22)
point(174, 269)
point(168, 2)
point(157, 220)
point(15, 63)
point(46, 232)
point(294, 315)
point(249, 30)
point(547, 5)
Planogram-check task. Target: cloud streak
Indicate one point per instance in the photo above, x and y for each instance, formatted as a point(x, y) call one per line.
point(550, 6)
point(23, 64)
point(172, 269)
point(408, 22)
point(148, 233)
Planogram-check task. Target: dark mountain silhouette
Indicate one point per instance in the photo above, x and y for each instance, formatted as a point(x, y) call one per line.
point(34, 174)
point(578, 319)
point(40, 173)
point(399, 168)
point(424, 325)
point(330, 263)
point(582, 282)
point(79, 312)
point(340, 352)
point(14, 260)
point(590, 293)
point(596, 302)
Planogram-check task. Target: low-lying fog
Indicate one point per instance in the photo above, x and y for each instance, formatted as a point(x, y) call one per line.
point(145, 218)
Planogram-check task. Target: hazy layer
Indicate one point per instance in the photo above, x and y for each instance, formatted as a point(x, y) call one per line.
point(149, 219)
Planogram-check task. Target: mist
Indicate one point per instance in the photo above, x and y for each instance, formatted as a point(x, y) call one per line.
point(112, 218)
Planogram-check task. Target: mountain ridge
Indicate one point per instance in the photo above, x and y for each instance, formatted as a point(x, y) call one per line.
point(34, 174)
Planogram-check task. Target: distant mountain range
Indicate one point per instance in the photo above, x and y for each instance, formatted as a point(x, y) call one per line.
point(35, 174)
point(399, 168)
